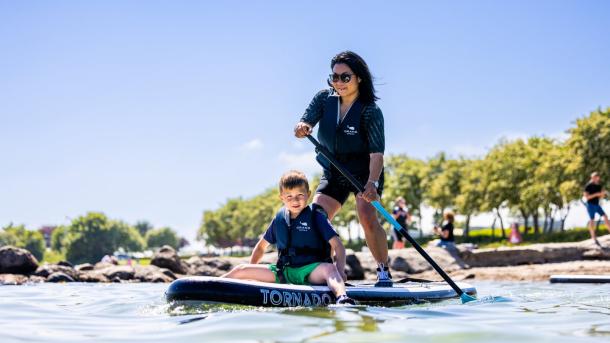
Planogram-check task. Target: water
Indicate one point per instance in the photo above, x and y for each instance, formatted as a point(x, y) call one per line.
point(507, 312)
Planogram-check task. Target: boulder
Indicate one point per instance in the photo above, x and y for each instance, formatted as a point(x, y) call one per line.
point(16, 261)
point(353, 268)
point(119, 272)
point(84, 266)
point(152, 274)
point(59, 277)
point(65, 264)
point(92, 276)
point(13, 279)
point(167, 257)
point(47, 269)
point(208, 266)
point(410, 260)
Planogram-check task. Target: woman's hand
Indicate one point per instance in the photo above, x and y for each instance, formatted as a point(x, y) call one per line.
point(370, 192)
point(302, 129)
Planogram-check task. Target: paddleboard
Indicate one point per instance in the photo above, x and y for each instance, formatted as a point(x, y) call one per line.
point(222, 290)
point(580, 279)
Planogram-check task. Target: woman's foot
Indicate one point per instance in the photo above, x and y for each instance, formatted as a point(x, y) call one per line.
point(384, 278)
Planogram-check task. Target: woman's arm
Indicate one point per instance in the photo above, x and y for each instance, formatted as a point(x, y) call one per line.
point(312, 114)
point(259, 251)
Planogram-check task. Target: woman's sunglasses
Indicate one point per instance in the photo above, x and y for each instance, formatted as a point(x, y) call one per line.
point(345, 77)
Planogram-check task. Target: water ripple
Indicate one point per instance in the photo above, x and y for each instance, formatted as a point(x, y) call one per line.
point(504, 312)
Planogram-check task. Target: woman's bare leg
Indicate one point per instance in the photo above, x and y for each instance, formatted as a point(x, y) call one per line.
point(373, 232)
point(330, 205)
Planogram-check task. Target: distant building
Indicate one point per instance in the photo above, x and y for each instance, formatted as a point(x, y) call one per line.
point(47, 231)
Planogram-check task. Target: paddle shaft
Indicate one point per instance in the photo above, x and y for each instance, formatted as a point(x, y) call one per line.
point(322, 150)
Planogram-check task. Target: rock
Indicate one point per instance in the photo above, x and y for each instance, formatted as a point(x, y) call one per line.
point(353, 268)
point(152, 274)
point(36, 279)
point(411, 262)
point(208, 266)
point(16, 261)
point(103, 265)
point(120, 272)
point(92, 276)
point(47, 269)
point(13, 279)
point(65, 264)
point(84, 266)
point(529, 254)
point(167, 257)
point(59, 277)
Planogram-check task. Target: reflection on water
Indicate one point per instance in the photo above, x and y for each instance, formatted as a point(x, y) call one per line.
point(505, 312)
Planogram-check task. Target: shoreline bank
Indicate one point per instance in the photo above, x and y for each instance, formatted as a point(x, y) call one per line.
point(528, 263)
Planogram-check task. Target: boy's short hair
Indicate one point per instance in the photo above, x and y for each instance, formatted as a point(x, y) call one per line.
point(594, 174)
point(293, 179)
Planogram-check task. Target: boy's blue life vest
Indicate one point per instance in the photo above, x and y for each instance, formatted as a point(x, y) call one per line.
point(344, 140)
point(299, 241)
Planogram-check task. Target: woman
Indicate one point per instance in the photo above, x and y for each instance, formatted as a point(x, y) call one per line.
point(446, 232)
point(403, 217)
point(351, 128)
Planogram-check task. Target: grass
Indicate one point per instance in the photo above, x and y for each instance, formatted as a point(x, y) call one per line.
point(484, 238)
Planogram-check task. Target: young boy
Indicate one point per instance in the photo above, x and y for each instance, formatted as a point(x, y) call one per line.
point(304, 238)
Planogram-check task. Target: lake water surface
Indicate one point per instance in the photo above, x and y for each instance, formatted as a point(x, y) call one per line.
point(507, 312)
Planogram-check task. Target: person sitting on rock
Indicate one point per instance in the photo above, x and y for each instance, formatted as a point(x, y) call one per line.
point(446, 232)
point(304, 237)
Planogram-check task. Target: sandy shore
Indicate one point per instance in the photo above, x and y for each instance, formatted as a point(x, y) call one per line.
point(531, 272)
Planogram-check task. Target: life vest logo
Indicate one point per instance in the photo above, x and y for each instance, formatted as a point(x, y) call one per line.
point(302, 226)
point(350, 130)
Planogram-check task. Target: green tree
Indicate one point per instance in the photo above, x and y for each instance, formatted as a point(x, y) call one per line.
point(472, 191)
point(143, 227)
point(157, 238)
point(443, 184)
point(19, 236)
point(405, 178)
point(59, 238)
point(92, 236)
point(589, 145)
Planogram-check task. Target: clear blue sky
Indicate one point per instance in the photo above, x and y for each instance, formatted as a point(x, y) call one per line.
point(158, 110)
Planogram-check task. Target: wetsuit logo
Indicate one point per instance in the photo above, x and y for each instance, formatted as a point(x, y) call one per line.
point(350, 131)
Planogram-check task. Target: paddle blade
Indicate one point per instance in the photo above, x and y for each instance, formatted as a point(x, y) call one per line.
point(467, 298)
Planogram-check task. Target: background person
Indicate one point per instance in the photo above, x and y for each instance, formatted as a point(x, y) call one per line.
point(446, 232)
point(403, 217)
point(594, 192)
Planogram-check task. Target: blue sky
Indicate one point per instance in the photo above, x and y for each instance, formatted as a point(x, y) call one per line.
point(158, 110)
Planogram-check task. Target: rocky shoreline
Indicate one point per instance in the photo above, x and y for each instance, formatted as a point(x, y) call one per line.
point(525, 263)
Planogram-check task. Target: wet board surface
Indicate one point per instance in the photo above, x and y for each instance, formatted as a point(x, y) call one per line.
point(579, 279)
point(214, 289)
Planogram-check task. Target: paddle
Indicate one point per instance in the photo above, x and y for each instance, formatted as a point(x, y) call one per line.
point(321, 149)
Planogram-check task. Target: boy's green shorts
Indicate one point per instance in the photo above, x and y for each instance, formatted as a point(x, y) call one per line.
point(296, 276)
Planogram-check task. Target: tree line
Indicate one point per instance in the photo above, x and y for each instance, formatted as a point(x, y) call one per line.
point(89, 237)
point(539, 179)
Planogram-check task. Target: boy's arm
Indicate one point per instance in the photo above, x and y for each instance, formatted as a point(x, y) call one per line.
point(259, 251)
point(337, 246)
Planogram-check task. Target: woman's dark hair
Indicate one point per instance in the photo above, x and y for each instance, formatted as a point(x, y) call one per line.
point(361, 69)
